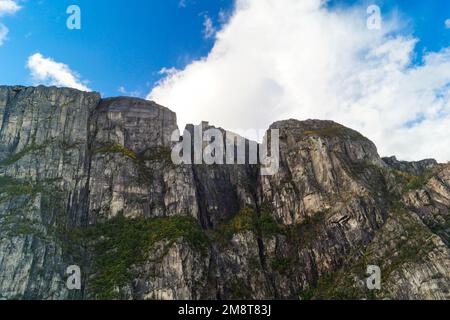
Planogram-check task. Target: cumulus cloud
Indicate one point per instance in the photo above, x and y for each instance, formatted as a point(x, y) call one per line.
point(447, 23)
point(6, 7)
point(49, 72)
point(280, 59)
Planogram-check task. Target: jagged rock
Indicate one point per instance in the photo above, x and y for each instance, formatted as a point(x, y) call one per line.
point(222, 190)
point(180, 273)
point(90, 182)
point(415, 167)
point(431, 202)
point(44, 175)
point(323, 165)
point(131, 170)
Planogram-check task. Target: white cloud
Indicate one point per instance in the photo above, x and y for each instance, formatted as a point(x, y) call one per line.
point(134, 93)
point(49, 72)
point(122, 90)
point(447, 23)
point(6, 7)
point(223, 16)
point(280, 59)
point(208, 27)
point(3, 33)
point(168, 71)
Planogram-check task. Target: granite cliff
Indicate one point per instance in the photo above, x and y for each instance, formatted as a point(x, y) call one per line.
point(89, 181)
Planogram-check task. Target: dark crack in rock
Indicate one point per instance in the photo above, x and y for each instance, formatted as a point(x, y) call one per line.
point(90, 182)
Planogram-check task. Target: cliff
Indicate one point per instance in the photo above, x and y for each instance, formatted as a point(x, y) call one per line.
point(90, 182)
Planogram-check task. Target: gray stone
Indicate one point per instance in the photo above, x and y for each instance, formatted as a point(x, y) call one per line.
point(90, 182)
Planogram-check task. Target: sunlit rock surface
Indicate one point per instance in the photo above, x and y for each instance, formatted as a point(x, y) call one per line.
point(90, 182)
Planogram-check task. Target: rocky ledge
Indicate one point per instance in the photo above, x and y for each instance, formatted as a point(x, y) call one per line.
point(88, 181)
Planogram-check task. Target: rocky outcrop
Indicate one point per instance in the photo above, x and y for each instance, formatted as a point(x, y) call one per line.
point(44, 185)
point(131, 170)
point(91, 182)
point(414, 167)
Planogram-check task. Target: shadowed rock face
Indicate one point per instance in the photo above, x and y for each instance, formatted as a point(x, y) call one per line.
point(44, 165)
point(90, 182)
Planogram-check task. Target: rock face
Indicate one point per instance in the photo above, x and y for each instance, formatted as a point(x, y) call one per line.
point(416, 168)
point(90, 182)
point(44, 185)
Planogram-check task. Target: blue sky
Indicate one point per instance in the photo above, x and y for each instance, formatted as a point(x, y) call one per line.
point(425, 18)
point(121, 43)
point(243, 64)
point(126, 43)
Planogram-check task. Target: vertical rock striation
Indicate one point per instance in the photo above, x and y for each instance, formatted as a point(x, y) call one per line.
point(44, 176)
point(90, 182)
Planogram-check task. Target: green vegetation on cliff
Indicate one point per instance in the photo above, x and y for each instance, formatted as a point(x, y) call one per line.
point(159, 155)
point(248, 219)
point(387, 250)
point(122, 243)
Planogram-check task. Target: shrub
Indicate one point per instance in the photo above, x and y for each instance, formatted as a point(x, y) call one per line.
point(122, 243)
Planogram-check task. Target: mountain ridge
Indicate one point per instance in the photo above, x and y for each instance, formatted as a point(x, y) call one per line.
point(89, 181)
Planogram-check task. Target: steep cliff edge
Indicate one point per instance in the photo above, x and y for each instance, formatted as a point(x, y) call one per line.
point(90, 182)
point(44, 185)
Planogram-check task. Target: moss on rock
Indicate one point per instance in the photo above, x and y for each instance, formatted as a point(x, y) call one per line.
point(122, 243)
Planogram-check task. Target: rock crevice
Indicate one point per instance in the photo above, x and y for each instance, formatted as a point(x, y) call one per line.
point(90, 181)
